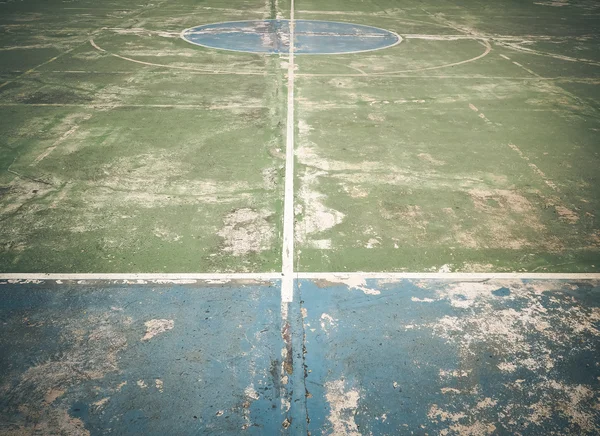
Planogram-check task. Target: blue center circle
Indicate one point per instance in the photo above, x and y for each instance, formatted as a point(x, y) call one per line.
point(273, 36)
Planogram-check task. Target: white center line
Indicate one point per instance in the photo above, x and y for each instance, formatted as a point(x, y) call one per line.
point(287, 283)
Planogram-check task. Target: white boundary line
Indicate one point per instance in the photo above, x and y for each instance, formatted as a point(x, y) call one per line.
point(171, 277)
point(452, 276)
point(287, 260)
point(334, 276)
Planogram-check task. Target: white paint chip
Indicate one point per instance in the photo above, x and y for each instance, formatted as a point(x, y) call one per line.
point(251, 393)
point(157, 326)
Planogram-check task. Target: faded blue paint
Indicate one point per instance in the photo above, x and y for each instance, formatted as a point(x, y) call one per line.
point(224, 339)
point(272, 36)
point(395, 369)
point(501, 292)
point(386, 352)
point(370, 351)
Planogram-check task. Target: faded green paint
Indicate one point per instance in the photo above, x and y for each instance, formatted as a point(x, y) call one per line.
point(109, 165)
point(471, 146)
point(435, 155)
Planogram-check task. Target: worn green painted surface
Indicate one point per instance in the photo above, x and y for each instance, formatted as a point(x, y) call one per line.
point(112, 165)
point(470, 146)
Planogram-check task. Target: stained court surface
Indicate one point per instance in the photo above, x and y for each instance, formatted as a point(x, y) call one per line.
point(350, 217)
point(383, 357)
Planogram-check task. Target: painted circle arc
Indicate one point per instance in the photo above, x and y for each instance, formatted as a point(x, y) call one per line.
point(273, 37)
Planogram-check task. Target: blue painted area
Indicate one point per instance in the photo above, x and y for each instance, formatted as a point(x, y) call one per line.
point(386, 358)
point(273, 37)
point(217, 370)
point(424, 357)
point(369, 351)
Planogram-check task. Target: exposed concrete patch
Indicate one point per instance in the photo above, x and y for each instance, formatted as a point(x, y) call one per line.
point(508, 199)
point(446, 268)
point(509, 218)
point(247, 231)
point(430, 159)
point(52, 395)
point(327, 322)
point(379, 118)
point(101, 403)
point(462, 423)
point(303, 128)
point(352, 282)
point(594, 239)
point(405, 215)
point(435, 413)
point(316, 217)
point(372, 243)
point(567, 214)
point(524, 336)
point(321, 244)
point(21, 193)
point(157, 326)
point(161, 179)
point(356, 191)
point(554, 3)
point(507, 366)
point(57, 421)
point(166, 234)
point(476, 267)
point(307, 154)
point(89, 356)
point(343, 403)
point(422, 300)
point(486, 403)
point(476, 429)
point(504, 218)
point(450, 391)
point(449, 374)
point(571, 404)
point(270, 178)
point(251, 393)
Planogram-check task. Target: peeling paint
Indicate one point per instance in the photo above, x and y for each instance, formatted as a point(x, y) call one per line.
point(157, 326)
point(352, 282)
point(343, 403)
point(247, 231)
point(251, 393)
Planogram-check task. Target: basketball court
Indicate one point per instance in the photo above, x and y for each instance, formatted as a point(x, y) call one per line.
point(305, 217)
